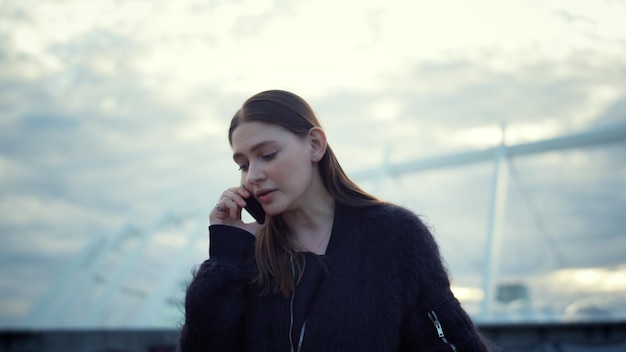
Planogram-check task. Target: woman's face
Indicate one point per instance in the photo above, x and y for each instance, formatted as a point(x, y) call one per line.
point(275, 165)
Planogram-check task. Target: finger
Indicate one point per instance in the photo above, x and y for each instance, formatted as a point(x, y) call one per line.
point(241, 191)
point(244, 192)
point(235, 196)
point(218, 213)
point(219, 208)
point(230, 208)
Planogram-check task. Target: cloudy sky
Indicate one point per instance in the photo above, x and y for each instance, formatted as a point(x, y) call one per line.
point(113, 121)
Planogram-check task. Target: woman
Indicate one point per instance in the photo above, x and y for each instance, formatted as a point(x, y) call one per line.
point(331, 268)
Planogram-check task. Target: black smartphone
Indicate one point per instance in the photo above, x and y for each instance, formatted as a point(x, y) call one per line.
point(255, 209)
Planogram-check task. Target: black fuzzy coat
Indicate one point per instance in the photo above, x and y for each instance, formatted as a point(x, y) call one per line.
point(384, 277)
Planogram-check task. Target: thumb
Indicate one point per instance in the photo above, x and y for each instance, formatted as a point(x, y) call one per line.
point(254, 227)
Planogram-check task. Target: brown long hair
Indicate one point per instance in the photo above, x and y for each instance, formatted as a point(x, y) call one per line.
point(273, 251)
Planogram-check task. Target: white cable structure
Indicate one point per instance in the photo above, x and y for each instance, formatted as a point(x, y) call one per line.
point(500, 156)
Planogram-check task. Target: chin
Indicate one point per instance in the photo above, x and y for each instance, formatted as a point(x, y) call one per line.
point(273, 210)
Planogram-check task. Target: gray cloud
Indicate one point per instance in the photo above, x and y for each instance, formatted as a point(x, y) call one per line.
point(121, 122)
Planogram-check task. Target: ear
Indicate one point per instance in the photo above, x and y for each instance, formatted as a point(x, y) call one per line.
point(317, 140)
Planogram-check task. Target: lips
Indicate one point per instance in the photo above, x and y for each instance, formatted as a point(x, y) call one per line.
point(264, 195)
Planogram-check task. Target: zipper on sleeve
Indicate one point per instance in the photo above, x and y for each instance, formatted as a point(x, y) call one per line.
point(433, 317)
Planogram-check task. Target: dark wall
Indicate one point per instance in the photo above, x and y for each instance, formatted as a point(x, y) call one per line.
point(575, 337)
point(89, 341)
point(580, 337)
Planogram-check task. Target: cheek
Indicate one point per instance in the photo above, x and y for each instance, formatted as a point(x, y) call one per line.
point(293, 171)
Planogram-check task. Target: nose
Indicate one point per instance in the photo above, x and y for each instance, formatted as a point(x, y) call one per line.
point(255, 173)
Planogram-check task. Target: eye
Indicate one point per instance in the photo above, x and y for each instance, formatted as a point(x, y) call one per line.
point(243, 168)
point(270, 156)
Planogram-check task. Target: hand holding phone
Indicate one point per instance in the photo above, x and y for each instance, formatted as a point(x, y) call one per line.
point(254, 208)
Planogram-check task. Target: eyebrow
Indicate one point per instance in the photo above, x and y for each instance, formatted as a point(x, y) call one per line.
point(253, 149)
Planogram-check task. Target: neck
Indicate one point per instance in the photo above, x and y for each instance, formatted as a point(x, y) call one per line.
point(310, 227)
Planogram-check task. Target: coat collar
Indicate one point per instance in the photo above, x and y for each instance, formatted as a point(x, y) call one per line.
point(345, 225)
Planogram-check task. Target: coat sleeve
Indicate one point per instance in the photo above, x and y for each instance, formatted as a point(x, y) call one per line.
point(434, 319)
point(215, 298)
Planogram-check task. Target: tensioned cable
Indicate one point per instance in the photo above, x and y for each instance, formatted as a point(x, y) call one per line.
point(538, 219)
